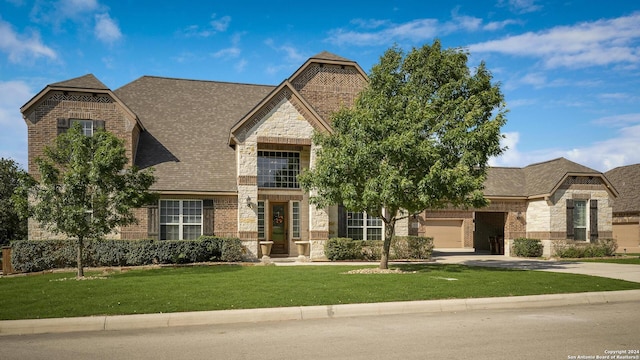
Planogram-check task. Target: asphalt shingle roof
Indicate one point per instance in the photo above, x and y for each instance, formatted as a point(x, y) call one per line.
point(626, 179)
point(325, 55)
point(534, 179)
point(83, 82)
point(188, 123)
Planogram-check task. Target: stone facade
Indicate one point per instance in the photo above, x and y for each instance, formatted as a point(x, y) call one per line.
point(543, 217)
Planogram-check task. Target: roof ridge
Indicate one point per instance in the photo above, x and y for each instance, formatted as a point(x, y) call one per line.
point(547, 161)
point(198, 80)
point(87, 81)
point(326, 55)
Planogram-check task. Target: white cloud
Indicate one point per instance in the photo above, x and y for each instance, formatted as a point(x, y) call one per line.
point(14, 130)
point(521, 6)
point(215, 26)
point(58, 12)
point(222, 24)
point(21, 46)
point(415, 30)
point(372, 32)
point(619, 120)
point(602, 42)
point(106, 29)
point(84, 14)
point(231, 52)
point(369, 23)
point(520, 102)
point(241, 65)
point(75, 8)
point(602, 155)
point(511, 156)
point(293, 55)
point(497, 25)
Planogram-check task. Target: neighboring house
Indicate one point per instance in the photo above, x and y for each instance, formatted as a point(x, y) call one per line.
point(553, 200)
point(626, 209)
point(227, 156)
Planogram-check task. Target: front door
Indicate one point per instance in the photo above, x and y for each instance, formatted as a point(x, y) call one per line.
point(278, 229)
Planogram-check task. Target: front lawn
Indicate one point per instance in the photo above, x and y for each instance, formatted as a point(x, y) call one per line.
point(237, 287)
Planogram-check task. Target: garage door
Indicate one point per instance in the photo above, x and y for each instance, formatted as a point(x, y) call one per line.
point(445, 233)
point(627, 236)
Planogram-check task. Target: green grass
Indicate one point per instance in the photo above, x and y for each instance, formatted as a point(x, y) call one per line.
point(236, 287)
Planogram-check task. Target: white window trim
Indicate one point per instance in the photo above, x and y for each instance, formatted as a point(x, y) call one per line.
point(181, 223)
point(365, 225)
point(586, 219)
point(296, 223)
point(83, 124)
point(261, 215)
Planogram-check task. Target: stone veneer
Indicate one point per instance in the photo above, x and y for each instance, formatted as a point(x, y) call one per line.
point(282, 128)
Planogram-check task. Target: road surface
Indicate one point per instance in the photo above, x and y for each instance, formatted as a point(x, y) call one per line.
point(569, 332)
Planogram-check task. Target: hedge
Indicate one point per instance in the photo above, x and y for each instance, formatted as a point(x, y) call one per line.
point(581, 249)
point(403, 247)
point(38, 255)
point(525, 247)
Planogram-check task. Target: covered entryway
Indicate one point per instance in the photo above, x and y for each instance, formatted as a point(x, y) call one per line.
point(445, 233)
point(627, 235)
point(489, 232)
point(278, 228)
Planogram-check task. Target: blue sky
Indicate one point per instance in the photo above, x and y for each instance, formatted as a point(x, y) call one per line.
point(569, 70)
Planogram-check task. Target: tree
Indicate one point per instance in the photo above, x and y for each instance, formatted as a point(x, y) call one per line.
point(12, 226)
point(418, 137)
point(85, 189)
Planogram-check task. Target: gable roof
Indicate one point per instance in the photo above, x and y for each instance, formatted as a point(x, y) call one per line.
point(188, 123)
point(536, 180)
point(325, 55)
point(626, 179)
point(88, 81)
point(284, 89)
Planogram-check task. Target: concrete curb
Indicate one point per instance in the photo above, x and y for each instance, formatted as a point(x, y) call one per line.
point(149, 321)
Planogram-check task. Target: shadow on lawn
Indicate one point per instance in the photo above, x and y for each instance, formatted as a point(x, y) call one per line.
point(451, 268)
point(180, 270)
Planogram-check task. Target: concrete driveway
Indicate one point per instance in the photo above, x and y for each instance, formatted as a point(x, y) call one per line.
point(614, 271)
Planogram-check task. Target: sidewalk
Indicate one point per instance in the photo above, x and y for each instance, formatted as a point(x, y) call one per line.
point(132, 322)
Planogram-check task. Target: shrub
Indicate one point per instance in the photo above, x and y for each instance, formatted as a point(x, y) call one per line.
point(403, 247)
point(29, 256)
point(580, 249)
point(231, 250)
point(343, 249)
point(524, 247)
point(412, 247)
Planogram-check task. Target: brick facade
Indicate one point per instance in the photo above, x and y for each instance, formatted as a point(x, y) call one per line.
point(42, 120)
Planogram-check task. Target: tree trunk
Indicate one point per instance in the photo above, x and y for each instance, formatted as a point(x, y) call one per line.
point(389, 232)
point(79, 260)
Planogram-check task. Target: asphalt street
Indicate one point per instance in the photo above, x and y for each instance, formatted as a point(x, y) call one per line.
point(521, 333)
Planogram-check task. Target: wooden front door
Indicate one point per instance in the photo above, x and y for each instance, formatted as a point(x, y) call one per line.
point(278, 229)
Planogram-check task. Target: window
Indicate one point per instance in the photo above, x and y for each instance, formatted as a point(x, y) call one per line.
point(180, 219)
point(86, 125)
point(295, 217)
point(261, 234)
point(361, 226)
point(278, 169)
point(580, 219)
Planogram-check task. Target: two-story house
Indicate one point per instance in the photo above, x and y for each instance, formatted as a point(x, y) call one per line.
point(227, 156)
